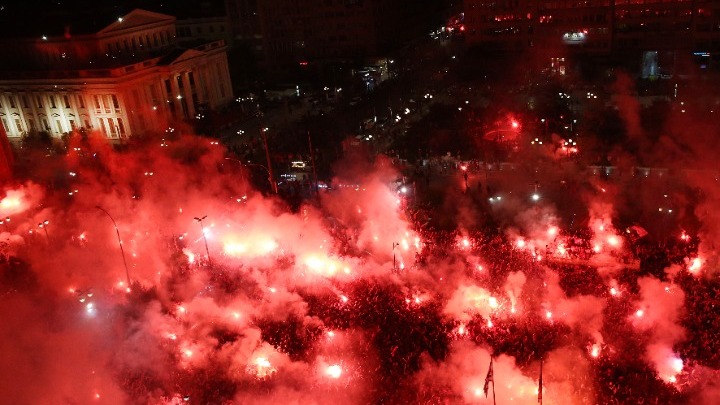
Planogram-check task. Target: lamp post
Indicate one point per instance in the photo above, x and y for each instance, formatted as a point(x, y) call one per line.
point(263, 131)
point(248, 164)
point(394, 245)
point(43, 225)
point(122, 251)
point(202, 228)
point(5, 222)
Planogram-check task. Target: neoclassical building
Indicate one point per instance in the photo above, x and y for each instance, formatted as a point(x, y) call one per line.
point(130, 77)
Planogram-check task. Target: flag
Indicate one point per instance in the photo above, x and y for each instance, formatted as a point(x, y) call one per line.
point(540, 385)
point(488, 378)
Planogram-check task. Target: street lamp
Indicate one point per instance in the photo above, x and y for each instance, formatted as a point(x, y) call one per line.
point(43, 225)
point(122, 251)
point(249, 164)
point(465, 176)
point(263, 131)
point(395, 244)
point(202, 228)
point(5, 222)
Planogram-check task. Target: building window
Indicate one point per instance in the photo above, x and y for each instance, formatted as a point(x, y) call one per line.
point(104, 126)
point(25, 101)
point(52, 102)
point(66, 99)
point(46, 124)
point(121, 126)
point(12, 102)
point(18, 124)
point(38, 101)
point(31, 124)
point(81, 100)
point(115, 103)
point(107, 102)
point(5, 125)
point(58, 123)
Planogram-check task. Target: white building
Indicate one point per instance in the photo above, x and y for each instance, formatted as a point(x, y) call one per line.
point(129, 78)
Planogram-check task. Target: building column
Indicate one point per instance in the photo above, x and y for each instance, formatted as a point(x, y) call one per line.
point(188, 95)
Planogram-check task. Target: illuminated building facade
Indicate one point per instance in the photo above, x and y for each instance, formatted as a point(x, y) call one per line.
point(129, 77)
point(595, 27)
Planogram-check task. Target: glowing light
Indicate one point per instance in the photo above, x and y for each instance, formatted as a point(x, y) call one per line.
point(190, 255)
point(552, 231)
point(695, 265)
point(261, 367)
point(343, 298)
point(548, 314)
point(613, 241)
point(614, 291)
point(334, 371)
point(493, 302)
point(520, 243)
point(639, 313)
point(595, 350)
point(10, 203)
point(234, 249)
point(677, 365)
point(535, 197)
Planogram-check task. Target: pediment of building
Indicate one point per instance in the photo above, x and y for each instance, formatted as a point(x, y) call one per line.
point(136, 19)
point(181, 56)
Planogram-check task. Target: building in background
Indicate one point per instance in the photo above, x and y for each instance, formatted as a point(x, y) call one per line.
point(290, 32)
point(120, 74)
point(621, 29)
